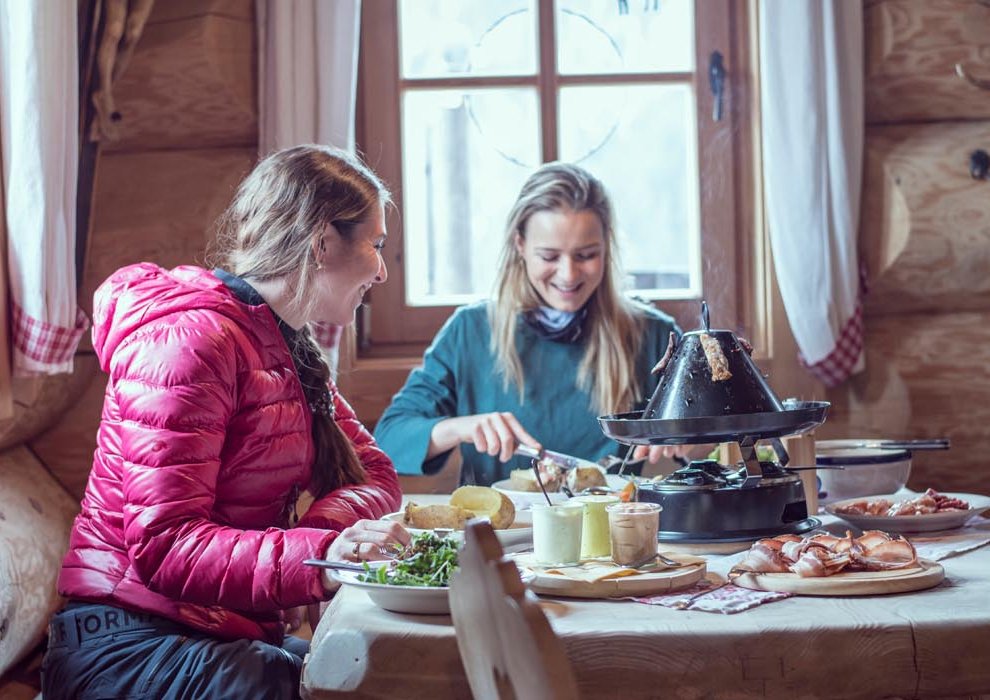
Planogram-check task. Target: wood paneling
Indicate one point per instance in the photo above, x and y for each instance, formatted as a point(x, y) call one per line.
point(189, 135)
point(66, 448)
point(926, 223)
point(927, 376)
point(172, 10)
point(40, 401)
point(158, 206)
point(192, 81)
point(912, 48)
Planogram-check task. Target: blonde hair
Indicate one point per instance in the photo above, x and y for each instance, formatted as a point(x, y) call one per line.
point(269, 232)
point(613, 325)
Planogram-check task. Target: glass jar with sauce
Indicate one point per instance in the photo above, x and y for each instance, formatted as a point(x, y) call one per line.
point(595, 541)
point(633, 528)
point(557, 533)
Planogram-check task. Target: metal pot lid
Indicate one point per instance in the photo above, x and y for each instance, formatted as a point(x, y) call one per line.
point(835, 452)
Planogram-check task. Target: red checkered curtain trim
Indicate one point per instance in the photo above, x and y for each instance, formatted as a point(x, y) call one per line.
point(327, 336)
point(43, 345)
point(845, 359)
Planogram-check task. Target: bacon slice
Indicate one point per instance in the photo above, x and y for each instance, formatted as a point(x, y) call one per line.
point(931, 501)
point(818, 561)
point(764, 557)
point(825, 555)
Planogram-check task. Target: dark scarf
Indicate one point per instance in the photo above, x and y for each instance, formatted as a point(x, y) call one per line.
point(558, 326)
point(319, 398)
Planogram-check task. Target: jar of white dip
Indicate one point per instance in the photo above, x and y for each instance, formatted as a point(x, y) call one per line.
point(557, 533)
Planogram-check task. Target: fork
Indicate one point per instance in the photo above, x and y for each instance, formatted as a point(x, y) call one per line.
point(668, 561)
point(685, 603)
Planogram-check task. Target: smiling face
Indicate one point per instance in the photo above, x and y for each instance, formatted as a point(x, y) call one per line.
point(350, 266)
point(564, 255)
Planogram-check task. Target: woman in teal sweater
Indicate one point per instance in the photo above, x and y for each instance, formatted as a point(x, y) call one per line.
point(558, 346)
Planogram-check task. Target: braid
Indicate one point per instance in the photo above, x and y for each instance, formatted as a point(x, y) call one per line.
point(336, 463)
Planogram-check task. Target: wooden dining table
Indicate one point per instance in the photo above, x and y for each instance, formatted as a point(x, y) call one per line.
point(924, 644)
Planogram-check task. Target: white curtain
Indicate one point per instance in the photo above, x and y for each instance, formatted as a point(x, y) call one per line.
point(308, 72)
point(308, 85)
point(811, 62)
point(40, 144)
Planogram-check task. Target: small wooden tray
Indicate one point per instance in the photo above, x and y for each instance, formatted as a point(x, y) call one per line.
point(640, 584)
point(926, 575)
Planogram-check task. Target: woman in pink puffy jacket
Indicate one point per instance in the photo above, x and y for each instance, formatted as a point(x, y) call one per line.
point(218, 412)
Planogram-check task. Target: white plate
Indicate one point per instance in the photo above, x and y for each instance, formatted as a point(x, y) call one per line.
point(418, 600)
point(526, 499)
point(520, 532)
point(925, 522)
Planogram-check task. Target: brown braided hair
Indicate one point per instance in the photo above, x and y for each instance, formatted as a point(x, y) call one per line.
point(268, 232)
point(333, 449)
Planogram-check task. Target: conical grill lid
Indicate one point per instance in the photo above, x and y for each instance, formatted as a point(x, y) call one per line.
point(710, 374)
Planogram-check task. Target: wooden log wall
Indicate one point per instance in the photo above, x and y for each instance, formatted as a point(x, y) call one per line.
point(925, 238)
point(189, 133)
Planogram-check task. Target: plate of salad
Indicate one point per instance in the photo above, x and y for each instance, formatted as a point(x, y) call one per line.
point(417, 583)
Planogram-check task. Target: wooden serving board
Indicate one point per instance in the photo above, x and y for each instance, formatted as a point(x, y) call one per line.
point(640, 584)
point(926, 575)
point(706, 548)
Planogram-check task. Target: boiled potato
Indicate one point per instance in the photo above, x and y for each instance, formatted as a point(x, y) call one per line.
point(432, 517)
point(485, 502)
point(581, 478)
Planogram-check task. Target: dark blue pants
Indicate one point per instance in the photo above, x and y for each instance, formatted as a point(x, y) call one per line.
point(99, 651)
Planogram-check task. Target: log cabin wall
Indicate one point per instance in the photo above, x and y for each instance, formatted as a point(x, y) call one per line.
point(189, 133)
point(925, 238)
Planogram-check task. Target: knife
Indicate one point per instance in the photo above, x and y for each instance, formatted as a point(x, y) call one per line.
point(558, 458)
point(342, 565)
point(933, 444)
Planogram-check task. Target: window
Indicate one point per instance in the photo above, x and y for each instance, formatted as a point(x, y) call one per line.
point(460, 102)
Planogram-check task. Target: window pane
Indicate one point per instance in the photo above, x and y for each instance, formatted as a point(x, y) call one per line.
point(651, 36)
point(640, 140)
point(440, 39)
point(465, 156)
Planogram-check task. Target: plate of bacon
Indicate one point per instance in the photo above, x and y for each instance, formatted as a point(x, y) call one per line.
point(875, 563)
point(925, 512)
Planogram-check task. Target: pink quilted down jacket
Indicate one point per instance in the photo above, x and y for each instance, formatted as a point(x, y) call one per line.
point(204, 440)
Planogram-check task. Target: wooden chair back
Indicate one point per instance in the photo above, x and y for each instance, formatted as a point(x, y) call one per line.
point(507, 646)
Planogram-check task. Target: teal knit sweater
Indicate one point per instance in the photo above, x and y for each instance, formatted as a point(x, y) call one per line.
point(458, 378)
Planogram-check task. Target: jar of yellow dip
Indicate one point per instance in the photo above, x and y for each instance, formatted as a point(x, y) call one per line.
point(595, 541)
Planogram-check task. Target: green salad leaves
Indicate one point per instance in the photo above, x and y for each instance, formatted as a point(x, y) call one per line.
point(429, 560)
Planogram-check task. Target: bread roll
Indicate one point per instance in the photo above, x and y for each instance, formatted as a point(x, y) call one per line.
point(525, 479)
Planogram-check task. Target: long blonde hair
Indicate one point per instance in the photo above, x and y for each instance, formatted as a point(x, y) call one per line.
point(613, 325)
point(269, 232)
